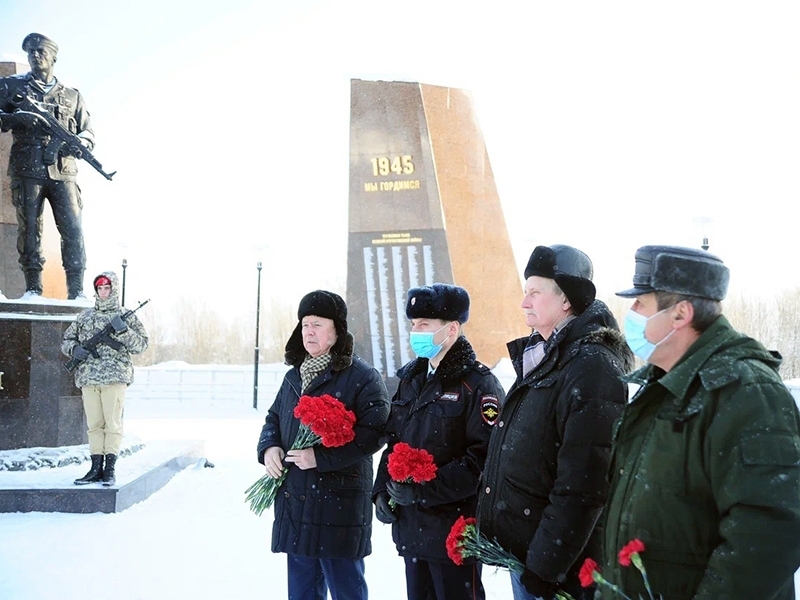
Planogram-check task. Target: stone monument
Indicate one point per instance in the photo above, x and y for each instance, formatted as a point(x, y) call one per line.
point(45, 130)
point(424, 208)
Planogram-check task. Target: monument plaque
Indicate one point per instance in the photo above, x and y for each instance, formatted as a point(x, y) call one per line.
point(423, 209)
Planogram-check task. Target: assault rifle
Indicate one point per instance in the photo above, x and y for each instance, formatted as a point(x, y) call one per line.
point(103, 337)
point(61, 139)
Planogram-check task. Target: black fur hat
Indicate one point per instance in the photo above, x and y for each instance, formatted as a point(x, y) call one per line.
point(570, 268)
point(438, 301)
point(678, 270)
point(320, 303)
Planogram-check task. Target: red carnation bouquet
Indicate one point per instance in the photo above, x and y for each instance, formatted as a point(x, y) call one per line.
point(590, 573)
point(407, 464)
point(323, 419)
point(464, 541)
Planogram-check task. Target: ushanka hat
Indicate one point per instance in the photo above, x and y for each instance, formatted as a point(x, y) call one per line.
point(570, 268)
point(438, 301)
point(678, 270)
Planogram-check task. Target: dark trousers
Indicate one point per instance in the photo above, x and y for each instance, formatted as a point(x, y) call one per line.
point(28, 196)
point(312, 578)
point(443, 581)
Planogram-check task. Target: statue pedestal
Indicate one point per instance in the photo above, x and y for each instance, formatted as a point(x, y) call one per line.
point(39, 403)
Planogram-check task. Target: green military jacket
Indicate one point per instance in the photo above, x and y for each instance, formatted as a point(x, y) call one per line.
point(706, 472)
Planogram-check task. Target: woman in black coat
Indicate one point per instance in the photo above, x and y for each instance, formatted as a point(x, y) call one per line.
point(323, 509)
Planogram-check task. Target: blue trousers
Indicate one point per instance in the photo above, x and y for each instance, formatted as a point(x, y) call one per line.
point(443, 581)
point(313, 578)
point(520, 593)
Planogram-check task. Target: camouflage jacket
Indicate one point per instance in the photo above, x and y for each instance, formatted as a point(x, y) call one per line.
point(27, 152)
point(112, 366)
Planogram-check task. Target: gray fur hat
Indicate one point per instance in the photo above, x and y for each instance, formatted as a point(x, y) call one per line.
point(678, 270)
point(571, 269)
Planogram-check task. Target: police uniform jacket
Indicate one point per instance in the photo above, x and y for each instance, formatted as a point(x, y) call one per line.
point(544, 485)
point(28, 148)
point(326, 512)
point(706, 472)
point(451, 416)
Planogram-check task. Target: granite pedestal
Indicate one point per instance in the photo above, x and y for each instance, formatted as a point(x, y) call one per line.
point(138, 477)
point(39, 403)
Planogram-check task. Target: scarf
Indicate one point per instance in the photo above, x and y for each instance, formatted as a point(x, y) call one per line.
point(312, 367)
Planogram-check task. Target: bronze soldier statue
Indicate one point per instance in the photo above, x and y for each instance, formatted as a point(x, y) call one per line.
point(40, 169)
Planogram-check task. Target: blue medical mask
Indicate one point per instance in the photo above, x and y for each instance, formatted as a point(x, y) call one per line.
point(635, 325)
point(422, 343)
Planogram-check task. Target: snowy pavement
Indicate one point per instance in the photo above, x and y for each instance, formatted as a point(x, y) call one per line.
point(194, 539)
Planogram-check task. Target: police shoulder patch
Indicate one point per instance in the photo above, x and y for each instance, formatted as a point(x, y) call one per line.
point(490, 408)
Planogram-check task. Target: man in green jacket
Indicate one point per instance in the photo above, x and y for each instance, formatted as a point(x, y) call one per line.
point(705, 469)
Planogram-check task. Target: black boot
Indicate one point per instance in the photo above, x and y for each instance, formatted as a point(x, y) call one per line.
point(74, 285)
point(108, 472)
point(33, 281)
point(95, 474)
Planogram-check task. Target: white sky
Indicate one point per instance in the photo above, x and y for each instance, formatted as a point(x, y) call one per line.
point(608, 125)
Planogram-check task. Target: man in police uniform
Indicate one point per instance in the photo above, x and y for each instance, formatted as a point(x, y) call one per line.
point(32, 179)
point(446, 403)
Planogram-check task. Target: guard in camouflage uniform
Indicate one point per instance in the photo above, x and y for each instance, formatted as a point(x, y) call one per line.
point(104, 378)
point(32, 179)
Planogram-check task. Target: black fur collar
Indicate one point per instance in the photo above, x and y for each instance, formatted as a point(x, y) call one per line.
point(458, 360)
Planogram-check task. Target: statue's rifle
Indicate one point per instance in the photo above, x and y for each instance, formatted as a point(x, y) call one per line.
point(61, 139)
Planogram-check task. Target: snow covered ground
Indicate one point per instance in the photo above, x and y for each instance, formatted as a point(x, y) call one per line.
point(194, 539)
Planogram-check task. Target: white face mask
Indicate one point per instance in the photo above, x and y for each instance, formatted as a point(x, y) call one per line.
point(635, 325)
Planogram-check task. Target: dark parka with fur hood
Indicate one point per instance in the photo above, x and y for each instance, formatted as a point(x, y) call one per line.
point(544, 484)
point(326, 512)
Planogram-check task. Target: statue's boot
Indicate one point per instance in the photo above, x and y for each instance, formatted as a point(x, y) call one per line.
point(75, 285)
point(33, 282)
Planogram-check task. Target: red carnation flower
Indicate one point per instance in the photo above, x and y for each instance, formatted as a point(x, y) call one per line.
point(408, 464)
point(633, 547)
point(323, 419)
point(586, 574)
point(457, 538)
point(327, 418)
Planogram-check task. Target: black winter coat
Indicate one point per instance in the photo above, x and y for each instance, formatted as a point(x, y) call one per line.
point(544, 484)
point(326, 512)
point(450, 416)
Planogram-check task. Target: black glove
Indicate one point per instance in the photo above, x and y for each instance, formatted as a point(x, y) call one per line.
point(80, 353)
point(404, 494)
point(383, 511)
point(119, 325)
point(538, 586)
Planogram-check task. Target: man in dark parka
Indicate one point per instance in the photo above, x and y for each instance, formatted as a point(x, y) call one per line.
point(323, 510)
point(544, 485)
point(706, 463)
point(446, 403)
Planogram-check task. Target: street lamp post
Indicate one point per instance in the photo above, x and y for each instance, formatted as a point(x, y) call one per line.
point(124, 267)
point(258, 322)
